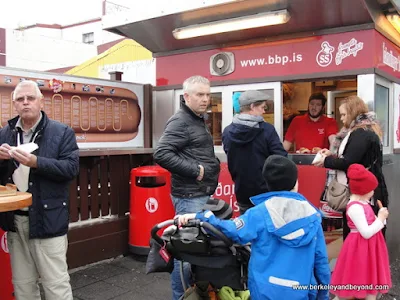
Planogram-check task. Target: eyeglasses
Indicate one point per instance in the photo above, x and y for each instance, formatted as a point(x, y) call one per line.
point(28, 98)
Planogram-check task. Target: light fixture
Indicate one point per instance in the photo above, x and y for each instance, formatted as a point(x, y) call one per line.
point(246, 22)
point(394, 19)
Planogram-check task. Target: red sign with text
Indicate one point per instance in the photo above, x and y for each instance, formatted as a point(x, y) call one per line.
point(226, 189)
point(2, 47)
point(6, 286)
point(387, 55)
point(311, 186)
point(310, 55)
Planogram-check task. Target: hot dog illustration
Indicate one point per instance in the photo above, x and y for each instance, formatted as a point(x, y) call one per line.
point(96, 113)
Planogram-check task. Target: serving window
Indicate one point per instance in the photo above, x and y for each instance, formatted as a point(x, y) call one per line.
point(269, 108)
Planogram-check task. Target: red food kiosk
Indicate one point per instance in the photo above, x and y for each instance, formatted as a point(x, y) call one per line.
point(339, 48)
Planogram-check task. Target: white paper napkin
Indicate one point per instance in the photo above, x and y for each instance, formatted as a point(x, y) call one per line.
point(317, 158)
point(21, 174)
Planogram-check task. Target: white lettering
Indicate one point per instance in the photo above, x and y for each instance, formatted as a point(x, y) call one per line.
point(227, 190)
point(324, 56)
point(3, 242)
point(218, 190)
point(345, 50)
point(389, 59)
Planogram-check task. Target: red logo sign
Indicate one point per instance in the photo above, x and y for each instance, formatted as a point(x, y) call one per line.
point(3, 242)
point(2, 47)
point(387, 55)
point(311, 185)
point(329, 53)
point(226, 189)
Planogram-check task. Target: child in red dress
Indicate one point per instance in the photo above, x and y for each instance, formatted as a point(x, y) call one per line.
point(362, 269)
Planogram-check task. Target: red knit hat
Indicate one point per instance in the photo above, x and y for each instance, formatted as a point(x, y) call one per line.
point(361, 181)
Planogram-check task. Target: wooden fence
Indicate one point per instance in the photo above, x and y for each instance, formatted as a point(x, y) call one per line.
point(99, 201)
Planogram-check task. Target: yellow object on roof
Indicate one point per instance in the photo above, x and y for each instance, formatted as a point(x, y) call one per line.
point(126, 50)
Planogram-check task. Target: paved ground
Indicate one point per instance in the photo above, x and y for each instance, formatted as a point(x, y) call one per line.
point(124, 278)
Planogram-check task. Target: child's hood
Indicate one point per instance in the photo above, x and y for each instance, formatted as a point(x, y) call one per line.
point(290, 217)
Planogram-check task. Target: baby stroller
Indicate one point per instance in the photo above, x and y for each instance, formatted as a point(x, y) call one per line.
point(213, 257)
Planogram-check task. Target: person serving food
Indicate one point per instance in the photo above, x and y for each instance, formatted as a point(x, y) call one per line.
point(313, 131)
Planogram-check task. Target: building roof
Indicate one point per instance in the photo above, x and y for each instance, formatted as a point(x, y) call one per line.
point(61, 70)
point(125, 50)
point(58, 26)
point(307, 18)
point(104, 47)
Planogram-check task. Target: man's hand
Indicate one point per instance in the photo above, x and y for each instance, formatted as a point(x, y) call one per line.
point(4, 151)
point(23, 157)
point(201, 175)
point(184, 219)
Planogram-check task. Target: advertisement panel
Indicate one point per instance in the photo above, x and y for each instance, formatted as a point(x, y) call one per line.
point(102, 114)
point(2, 47)
point(387, 55)
point(301, 56)
point(396, 116)
point(6, 286)
point(226, 189)
point(312, 182)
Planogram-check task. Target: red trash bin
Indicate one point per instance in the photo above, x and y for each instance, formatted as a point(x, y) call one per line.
point(150, 203)
point(6, 286)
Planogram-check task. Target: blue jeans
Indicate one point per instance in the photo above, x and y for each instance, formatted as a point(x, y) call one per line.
point(184, 206)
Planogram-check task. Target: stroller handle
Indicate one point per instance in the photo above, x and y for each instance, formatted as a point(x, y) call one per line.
point(191, 223)
point(217, 233)
point(157, 227)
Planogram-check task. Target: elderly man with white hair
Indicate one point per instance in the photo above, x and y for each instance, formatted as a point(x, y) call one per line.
point(37, 236)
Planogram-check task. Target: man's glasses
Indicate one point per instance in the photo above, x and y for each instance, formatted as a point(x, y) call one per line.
point(28, 98)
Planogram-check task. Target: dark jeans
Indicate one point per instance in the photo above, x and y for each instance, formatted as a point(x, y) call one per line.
point(184, 206)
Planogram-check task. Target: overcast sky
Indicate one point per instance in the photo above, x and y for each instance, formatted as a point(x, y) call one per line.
point(15, 13)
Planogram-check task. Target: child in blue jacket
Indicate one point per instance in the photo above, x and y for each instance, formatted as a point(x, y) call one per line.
point(288, 251)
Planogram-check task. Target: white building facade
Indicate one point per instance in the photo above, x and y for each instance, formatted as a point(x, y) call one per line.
point(52, 46)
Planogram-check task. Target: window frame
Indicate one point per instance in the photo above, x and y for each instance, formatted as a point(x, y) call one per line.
point(227, 103)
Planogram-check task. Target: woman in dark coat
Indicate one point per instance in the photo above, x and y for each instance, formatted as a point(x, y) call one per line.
point(359, 141)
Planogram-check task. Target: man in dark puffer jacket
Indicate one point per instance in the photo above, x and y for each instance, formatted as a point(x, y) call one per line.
point(37, 236)
point(186, 149)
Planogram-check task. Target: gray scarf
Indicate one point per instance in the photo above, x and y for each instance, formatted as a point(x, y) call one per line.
point(248, 120)
point(368, 118)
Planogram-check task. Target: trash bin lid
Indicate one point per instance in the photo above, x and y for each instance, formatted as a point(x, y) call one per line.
point(149, 171)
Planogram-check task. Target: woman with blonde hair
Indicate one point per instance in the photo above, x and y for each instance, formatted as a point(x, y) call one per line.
point(358, 142)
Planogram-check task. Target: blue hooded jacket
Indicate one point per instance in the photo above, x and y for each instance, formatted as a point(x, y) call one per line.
point(287, 246)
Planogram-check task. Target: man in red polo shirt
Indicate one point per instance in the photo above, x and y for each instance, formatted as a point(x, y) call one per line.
point(313, 130)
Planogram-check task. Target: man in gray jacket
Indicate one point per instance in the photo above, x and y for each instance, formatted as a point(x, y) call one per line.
point(186, 149)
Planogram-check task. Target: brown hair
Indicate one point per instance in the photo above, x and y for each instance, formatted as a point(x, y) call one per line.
point(355, 106)
point(246, 108)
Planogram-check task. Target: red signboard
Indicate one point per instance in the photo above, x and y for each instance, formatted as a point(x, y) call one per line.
point(317, 54)
point(387, 55)
point(2, 47)
point(6, 286)
point(226, 188)
point(311, 185)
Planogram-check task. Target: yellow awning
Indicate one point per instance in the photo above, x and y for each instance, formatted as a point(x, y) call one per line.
point(126, 50)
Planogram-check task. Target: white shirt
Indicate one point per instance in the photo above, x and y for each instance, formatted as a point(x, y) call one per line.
point(357, 215)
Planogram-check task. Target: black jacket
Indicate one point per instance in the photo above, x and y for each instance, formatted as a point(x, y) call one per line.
point(57, 165)
point(247, 148)
point(363, 147)
point(185, 144)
